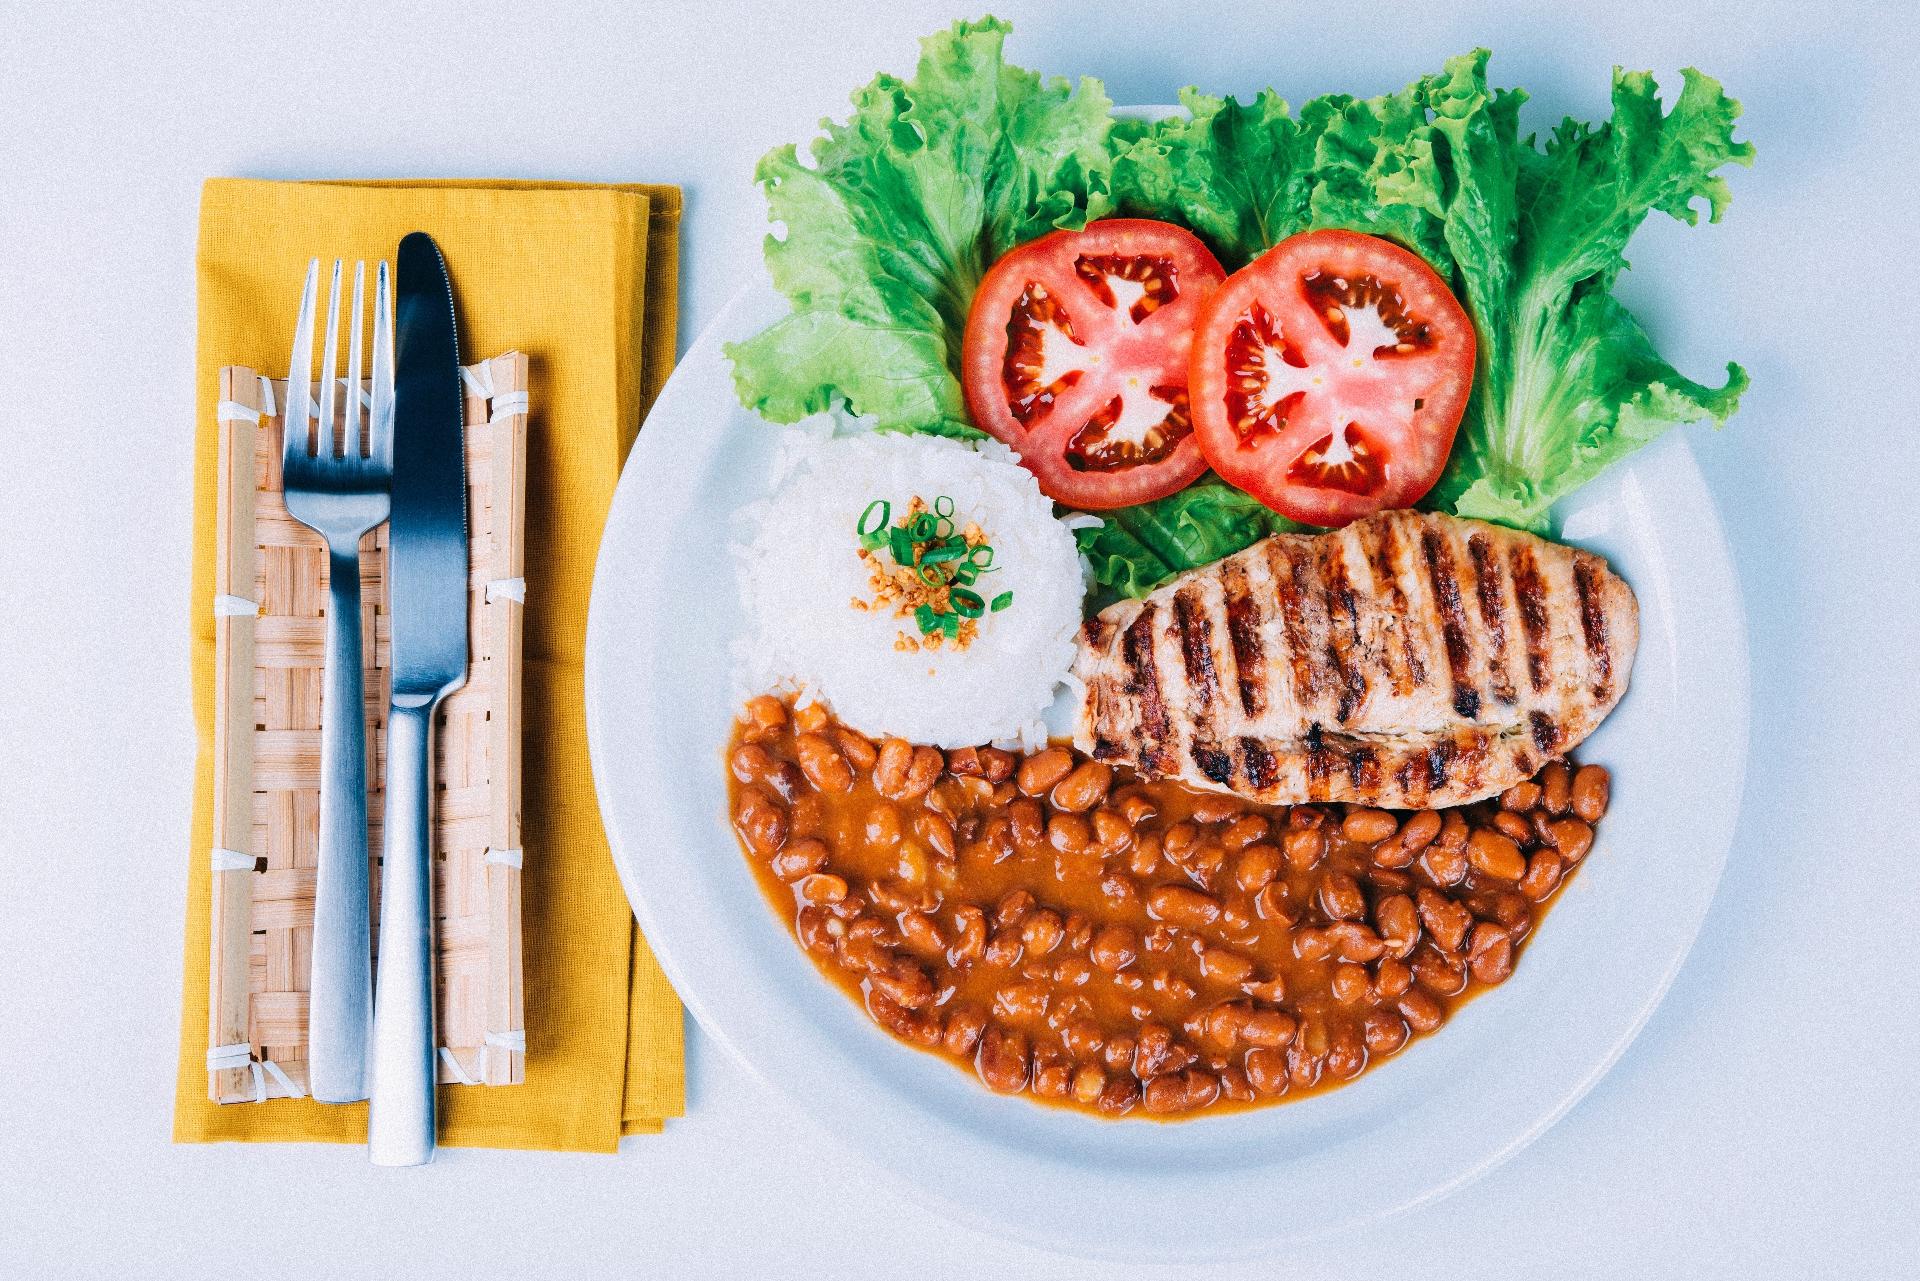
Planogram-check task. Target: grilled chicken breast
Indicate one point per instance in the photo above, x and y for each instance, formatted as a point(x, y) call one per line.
point(1408, 660)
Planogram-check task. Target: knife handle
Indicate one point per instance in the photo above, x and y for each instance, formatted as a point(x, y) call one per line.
point(400, 1122)
point(340, 1001)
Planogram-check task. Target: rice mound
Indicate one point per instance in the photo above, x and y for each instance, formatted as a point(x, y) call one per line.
point(800, 571)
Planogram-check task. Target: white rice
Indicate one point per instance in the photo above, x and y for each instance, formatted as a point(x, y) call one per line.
point(800, 571)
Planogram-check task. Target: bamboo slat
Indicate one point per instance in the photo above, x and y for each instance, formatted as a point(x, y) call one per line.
point(269, 672)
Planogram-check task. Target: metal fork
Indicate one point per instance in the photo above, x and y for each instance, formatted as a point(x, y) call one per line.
point(340, 495)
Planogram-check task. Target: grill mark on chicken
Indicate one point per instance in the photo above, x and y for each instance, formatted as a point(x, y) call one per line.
point(1546, 734)
point(1196, 648)
point(1493, 613)
point(1143, 683)
point(1261, 769)
point(1244, 617)
point(1593, 625)
point(1160, 696)
point(1343, 631)
point(1453, 622)
point(1532, 598)
point(1380, 540)
point(1290, 587)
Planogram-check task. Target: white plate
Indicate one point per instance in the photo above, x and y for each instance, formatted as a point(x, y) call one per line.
point(1445, 1111)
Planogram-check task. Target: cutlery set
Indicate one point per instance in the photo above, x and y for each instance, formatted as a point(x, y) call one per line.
point(397, 458)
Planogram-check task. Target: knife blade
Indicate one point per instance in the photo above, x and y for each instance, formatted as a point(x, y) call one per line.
point(427, 584)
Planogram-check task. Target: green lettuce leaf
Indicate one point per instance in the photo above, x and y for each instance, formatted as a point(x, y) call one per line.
point(903, 209)
point(1568, 381)
point(1136, 549)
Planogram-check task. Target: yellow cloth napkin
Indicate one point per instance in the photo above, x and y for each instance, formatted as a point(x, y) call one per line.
point(582, 278)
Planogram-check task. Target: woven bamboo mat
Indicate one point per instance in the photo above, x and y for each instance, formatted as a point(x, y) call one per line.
point(271, 585)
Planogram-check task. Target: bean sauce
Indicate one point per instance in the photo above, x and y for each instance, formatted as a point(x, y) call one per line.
point(1126, 946)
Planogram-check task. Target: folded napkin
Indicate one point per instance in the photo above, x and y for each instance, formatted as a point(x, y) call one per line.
point(582, 278)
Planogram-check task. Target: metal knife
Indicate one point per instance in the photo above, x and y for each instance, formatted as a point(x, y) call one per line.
point(427, 582)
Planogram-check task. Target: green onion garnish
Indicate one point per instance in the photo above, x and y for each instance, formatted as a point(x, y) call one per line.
point(950, 624)
point(974, 556)
point(967, 603)
point(925, 617)
point(901, 545)
point(1001, 601)
point(940, 510)
point(866, 526)
point(921, 528)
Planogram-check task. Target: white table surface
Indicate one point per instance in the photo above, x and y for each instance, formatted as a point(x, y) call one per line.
point(1764, 1125)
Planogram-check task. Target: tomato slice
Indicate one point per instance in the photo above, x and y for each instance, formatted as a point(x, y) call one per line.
point(1329, 376)
point(1076, 355)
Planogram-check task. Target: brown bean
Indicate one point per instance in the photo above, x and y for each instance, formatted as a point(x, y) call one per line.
point(1088, 1082)
point(1027, 824)
point(1039, 772)
point(1052, 1080)
point(1267, 1071)
point(763, 820)
point(1386, 1031)
point(924, 771)
point(906, 983)
point(1310, 944)
point(1416, 833)
point(1114, 948)
point(1355, 942)
point(1118, 1052)
point(1544, 871)
point(1118, 891)
point(890, 767)
point(1119, 1096)
point(970, 936)
point(1422, 1009)
point(1013, 907)
point(883, 829)
point(1398, 922)
point(1069, 833)
point(1341, 898)
point(1082, 1038)
point(1392, 977)
point(1490, 953)
point(1272, 1029)
point(1256, 868)
point(1272, 903)
point(920, 933)
point(1493, 854)
point(937, 831)
point(1178, 905)
point(1304, 848)
point(1021, 1000)
point(1308, 1053)
point(1244, 831)
point(1368, 826)
point(1189, 1091)
point(1572, 838)
point(1346, 1052)
point(963, 762)
point(856, 747)
point(1111, 833)
point(1233, 1084)
point(1445, 919)
point(800, 857)
point(1591, 788)
point(1002, 1060)
point(1453, 831)
point(1085, 787)
point(1438, 973)
point(1512, 826)
point(1444, 866)
point(1349, 983)
point(1225, 965)
point(750, 762)
point(766, 712)
point(1521, 797)
point(822, 763)
point(996, 766)
point(1556, 789)
point(1180, 840)
point(1003, 948)
point(1040, 933)
point(818, 929)
point(1221, 1025)
point(1145, 858)
point(1214, 808)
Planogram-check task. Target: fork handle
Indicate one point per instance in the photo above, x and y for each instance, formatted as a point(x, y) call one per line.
point(340, 1001)
point(400, 1124)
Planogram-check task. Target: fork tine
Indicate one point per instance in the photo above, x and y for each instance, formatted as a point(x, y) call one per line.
point(380, 433)
point(355, 416)
point(329, 369)
point(299, 407)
